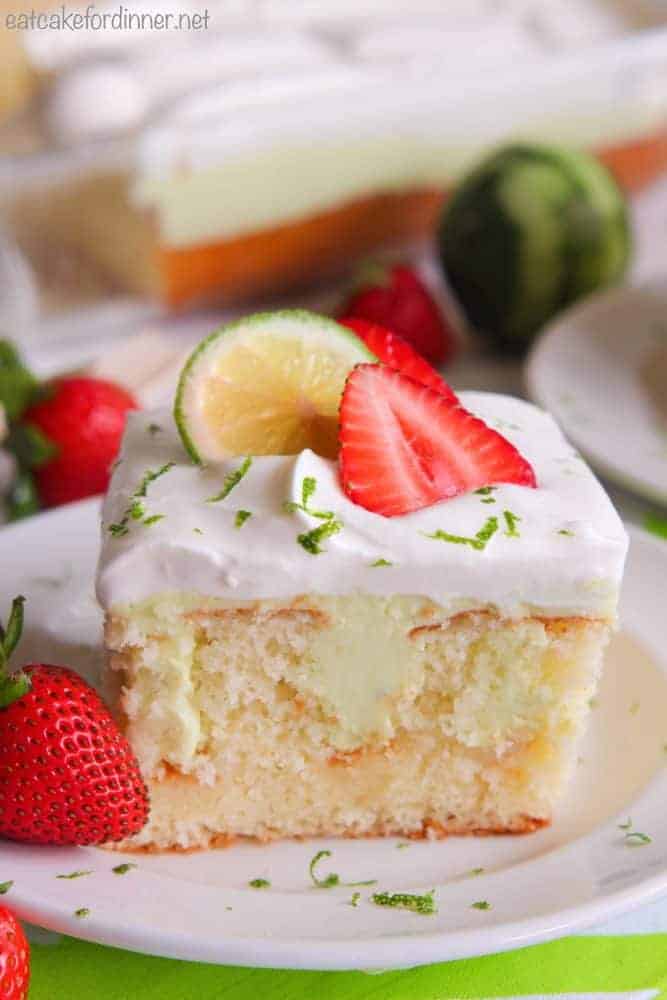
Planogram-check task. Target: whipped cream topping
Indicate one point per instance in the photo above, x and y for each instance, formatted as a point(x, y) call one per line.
point(555, 550)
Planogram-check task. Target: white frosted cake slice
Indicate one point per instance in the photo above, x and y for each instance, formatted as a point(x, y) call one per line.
point(281, 673)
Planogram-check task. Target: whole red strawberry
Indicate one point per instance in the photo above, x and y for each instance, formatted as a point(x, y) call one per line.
point(67, 774)
point(396, 298)
point(84, 419)
point(14, 958)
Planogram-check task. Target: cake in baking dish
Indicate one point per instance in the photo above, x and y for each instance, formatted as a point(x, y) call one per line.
point(292, 139)
point(422, 674)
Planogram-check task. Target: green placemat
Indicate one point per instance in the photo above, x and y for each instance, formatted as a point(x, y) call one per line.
point(72, 970)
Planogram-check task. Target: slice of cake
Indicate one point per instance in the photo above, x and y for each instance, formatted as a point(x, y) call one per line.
point(287, 662)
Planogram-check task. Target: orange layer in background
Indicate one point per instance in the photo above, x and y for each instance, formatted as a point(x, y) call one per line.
point(293, 254)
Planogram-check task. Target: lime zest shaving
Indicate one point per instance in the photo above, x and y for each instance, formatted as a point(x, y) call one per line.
point(511, 521)
point(423, 904)
point(231, 480)
point(241, 518)
point(153, 519)
point(123, 869)
point(332, 879)
point(479, 541)
point(135, 510)
point(636, 839)
point(310, 540)
point(308, 487)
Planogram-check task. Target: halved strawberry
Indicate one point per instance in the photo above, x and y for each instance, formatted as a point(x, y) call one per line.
point(404, 446)
point(396, 352)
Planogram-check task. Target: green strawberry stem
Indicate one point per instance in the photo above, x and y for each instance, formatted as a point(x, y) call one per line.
point(12, 686)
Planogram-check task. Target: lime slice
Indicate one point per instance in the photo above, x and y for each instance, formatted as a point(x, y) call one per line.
point(266, 385)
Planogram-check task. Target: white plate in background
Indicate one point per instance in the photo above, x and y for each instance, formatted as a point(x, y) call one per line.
point(601, 369)
point(199, 906)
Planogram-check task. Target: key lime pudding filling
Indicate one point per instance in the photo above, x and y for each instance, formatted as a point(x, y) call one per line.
point(286, 663)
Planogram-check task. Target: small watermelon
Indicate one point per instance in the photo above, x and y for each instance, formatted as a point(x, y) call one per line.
point(530, 230)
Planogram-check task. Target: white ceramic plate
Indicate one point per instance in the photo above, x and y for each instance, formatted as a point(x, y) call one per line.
point(601, 370)
point(199, 906)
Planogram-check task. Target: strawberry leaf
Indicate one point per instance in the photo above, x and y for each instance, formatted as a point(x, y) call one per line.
point(17, 385)
point(30, 445)
point(16, 685)
point(22, 499)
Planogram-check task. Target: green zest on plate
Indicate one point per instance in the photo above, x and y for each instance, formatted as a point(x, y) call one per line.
point(135, 510)
point(481, 904)
point(424, 904)
point(636, 839)
point(259, 883)
point(123, 869)
point(331, 880)
point(80, 874)
point(381, 562)
point(82, 912)
point(241, 518)
point(356, 896)
point(231, 480)
point(5, 887)
point(479, 542)
point(475, 871)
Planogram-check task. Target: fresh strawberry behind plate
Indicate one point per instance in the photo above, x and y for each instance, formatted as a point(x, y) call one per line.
point(396, 298)
point(67, 773)
point(83, 419)
point(14, 958)
point(404, 446)
point(396, 353)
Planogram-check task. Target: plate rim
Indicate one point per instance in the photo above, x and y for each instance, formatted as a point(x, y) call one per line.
point(559, 327)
